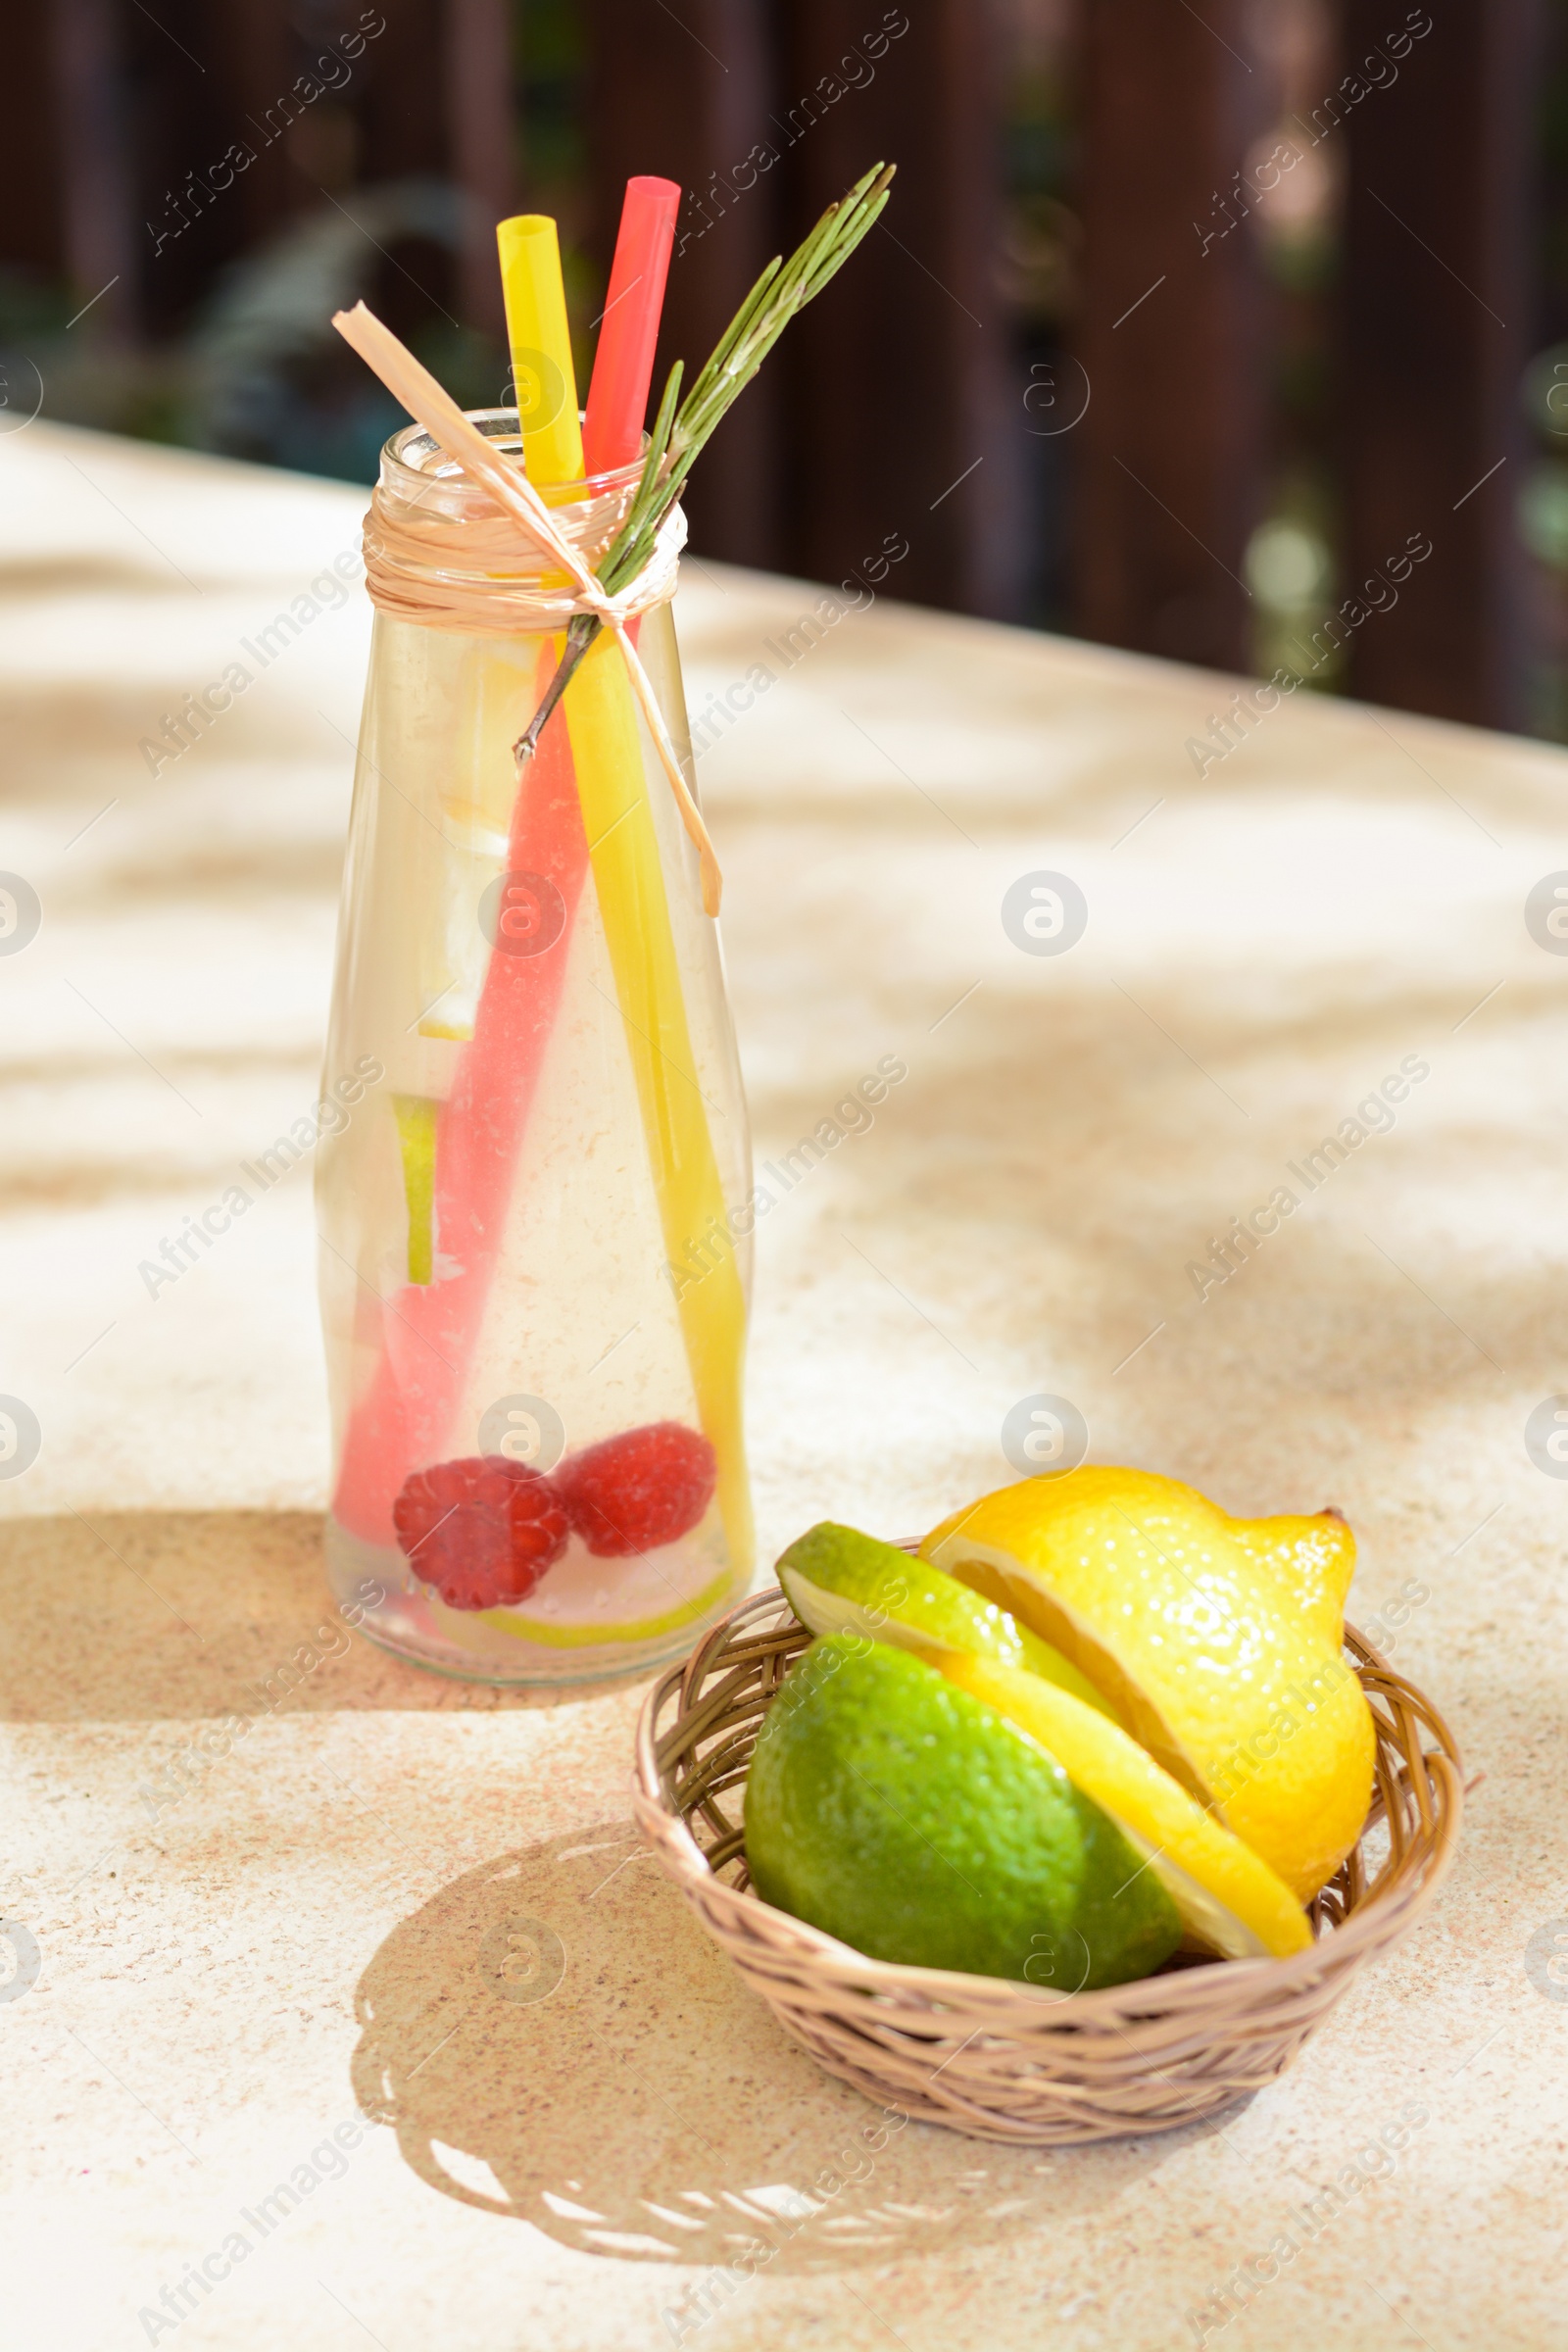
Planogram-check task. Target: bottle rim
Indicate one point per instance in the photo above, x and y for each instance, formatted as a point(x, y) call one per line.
point(409, 475)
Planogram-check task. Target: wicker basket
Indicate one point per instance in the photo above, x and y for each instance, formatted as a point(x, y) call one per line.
point(1004, 2060)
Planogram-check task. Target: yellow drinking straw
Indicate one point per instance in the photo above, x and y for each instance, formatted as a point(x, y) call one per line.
point(629, 882)
point(623, 848)
point(542, 374)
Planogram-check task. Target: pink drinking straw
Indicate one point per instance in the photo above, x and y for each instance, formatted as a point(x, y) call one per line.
point(429, 1332)
point(624, 363)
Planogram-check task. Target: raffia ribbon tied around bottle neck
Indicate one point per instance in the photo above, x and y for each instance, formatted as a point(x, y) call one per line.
point(467, 572)
point(527, 567)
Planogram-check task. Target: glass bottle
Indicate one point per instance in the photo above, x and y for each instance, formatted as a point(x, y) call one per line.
point(534, 1240)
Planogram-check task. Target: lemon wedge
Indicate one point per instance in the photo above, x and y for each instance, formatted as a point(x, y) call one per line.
point(1228, 1897)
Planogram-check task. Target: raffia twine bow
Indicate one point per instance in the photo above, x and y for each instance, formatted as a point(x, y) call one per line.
point(488, 602)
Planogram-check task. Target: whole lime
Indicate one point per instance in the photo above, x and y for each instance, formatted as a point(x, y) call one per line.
point(916, 1824)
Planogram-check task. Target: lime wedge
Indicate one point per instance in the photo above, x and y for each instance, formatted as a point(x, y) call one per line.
point(838, 1581)
point(416, 1117)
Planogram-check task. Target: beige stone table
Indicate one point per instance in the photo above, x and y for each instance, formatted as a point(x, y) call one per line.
point(236, 1959)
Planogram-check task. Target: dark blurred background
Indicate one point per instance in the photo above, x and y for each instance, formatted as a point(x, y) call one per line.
point(1185, 323)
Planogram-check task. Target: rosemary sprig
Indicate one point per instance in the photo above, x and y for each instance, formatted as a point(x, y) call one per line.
point(679, 435)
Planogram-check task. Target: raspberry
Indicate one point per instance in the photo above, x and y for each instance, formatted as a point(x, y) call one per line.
point(637, 1491)
point(482, 1530)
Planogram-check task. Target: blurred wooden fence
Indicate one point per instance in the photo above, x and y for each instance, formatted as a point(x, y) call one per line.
point(899, 405)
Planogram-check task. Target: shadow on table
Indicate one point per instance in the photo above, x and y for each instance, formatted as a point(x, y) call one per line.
point(553, 2039)
point(169, 1616)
